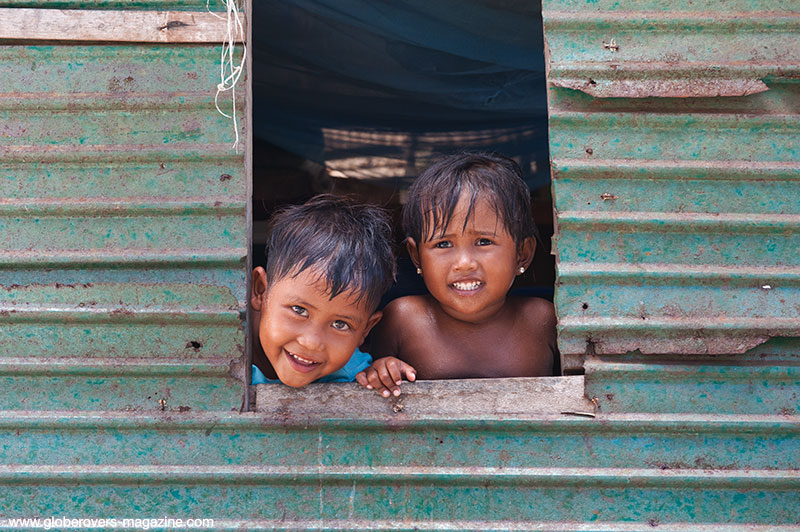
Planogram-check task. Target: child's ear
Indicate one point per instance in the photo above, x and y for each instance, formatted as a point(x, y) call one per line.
point(259, 288)
point(371, 322)
point(525, 252)
point(413, 250)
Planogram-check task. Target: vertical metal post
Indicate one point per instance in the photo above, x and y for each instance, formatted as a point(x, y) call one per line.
point(248, 158)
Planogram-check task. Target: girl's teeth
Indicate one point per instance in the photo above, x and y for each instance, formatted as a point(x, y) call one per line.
point(467, 286)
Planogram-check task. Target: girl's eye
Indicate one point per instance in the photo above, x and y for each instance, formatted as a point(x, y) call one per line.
point(443, 244)
point(484, 242)
point(300, 311)
point(340, 325)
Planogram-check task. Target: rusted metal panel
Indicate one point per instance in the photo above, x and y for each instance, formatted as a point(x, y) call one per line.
point(115, 168)
point(673, 136)
point(124, 346)
point(146, 5)
point(675, 176)
point(119, 378)
point(122, 260)
point(761, 381)
point(115, 26)
point(123, 223)
point(631, 50)
point(292, 438)
point(404, 470)
point(424, 495)
point(670, 88)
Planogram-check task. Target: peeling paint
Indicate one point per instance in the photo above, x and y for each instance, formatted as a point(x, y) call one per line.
point(682, 123)
point(663, 88)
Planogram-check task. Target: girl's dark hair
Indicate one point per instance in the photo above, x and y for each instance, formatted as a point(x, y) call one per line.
point(349, 244)
point(490, 176)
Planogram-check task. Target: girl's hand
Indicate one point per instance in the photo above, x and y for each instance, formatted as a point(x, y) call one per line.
point(385, 375)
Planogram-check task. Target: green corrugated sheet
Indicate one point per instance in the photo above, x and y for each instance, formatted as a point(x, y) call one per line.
point(678, 217)
point(123, 219)
point(674, 145)
point(122, 229)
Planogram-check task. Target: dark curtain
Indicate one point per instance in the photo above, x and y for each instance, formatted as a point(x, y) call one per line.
point(377, 89)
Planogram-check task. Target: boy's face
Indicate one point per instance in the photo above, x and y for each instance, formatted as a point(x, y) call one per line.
point(305, 334)
point(469, 269)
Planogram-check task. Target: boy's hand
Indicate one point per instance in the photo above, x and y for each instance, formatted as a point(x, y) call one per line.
point(385, 375)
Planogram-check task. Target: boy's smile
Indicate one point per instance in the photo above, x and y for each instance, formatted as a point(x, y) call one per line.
point(469, 268)
point(304, 364)
point(304, 333)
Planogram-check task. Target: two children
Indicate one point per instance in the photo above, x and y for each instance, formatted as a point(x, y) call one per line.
point(470, 233)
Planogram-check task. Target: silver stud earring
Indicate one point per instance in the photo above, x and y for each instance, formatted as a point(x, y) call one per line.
point(419, 270)
point(521, 270)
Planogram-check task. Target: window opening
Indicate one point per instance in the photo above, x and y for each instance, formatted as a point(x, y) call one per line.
point(358, 103)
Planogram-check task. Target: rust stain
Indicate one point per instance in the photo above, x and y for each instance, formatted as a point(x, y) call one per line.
point(667, 88)
point(194, 344)
point(611, 45)
point(172, 24)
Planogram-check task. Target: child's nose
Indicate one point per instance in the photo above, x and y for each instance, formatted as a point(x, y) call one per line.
point(465, 261)
point(311, 338)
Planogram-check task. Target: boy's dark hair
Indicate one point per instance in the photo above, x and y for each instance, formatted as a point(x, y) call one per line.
point(350, 244)
point(434, 195)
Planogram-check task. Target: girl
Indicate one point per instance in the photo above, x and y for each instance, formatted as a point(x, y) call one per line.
point(469, 233)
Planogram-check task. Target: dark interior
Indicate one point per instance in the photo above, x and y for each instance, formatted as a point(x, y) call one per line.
point(359, 99)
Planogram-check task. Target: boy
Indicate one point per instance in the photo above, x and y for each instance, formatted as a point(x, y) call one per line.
point(329, 261)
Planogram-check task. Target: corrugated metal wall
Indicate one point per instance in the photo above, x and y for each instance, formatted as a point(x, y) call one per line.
point(672, 177)
point(674, 144)
point(123, 218)
point(678, 294)
point(121, 226)
point(123, 246)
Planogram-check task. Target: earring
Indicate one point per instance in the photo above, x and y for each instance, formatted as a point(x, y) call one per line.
point(419, 270)
point(521, 270)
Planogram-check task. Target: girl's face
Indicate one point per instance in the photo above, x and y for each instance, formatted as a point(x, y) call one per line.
point(469, 269)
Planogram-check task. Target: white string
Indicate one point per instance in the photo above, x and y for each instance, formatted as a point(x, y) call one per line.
point(230, 72)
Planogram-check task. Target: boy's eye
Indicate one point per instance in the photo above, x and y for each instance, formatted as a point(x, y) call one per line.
point(340, 325)
point(443, 244)
point(483, 242)
point(300, 311)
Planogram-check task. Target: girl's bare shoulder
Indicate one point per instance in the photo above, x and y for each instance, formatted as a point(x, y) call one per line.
point(407, 310)
point(403, 318)
point(537, 311)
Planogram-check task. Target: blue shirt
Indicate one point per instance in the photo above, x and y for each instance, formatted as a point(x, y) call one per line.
point(358, 362)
